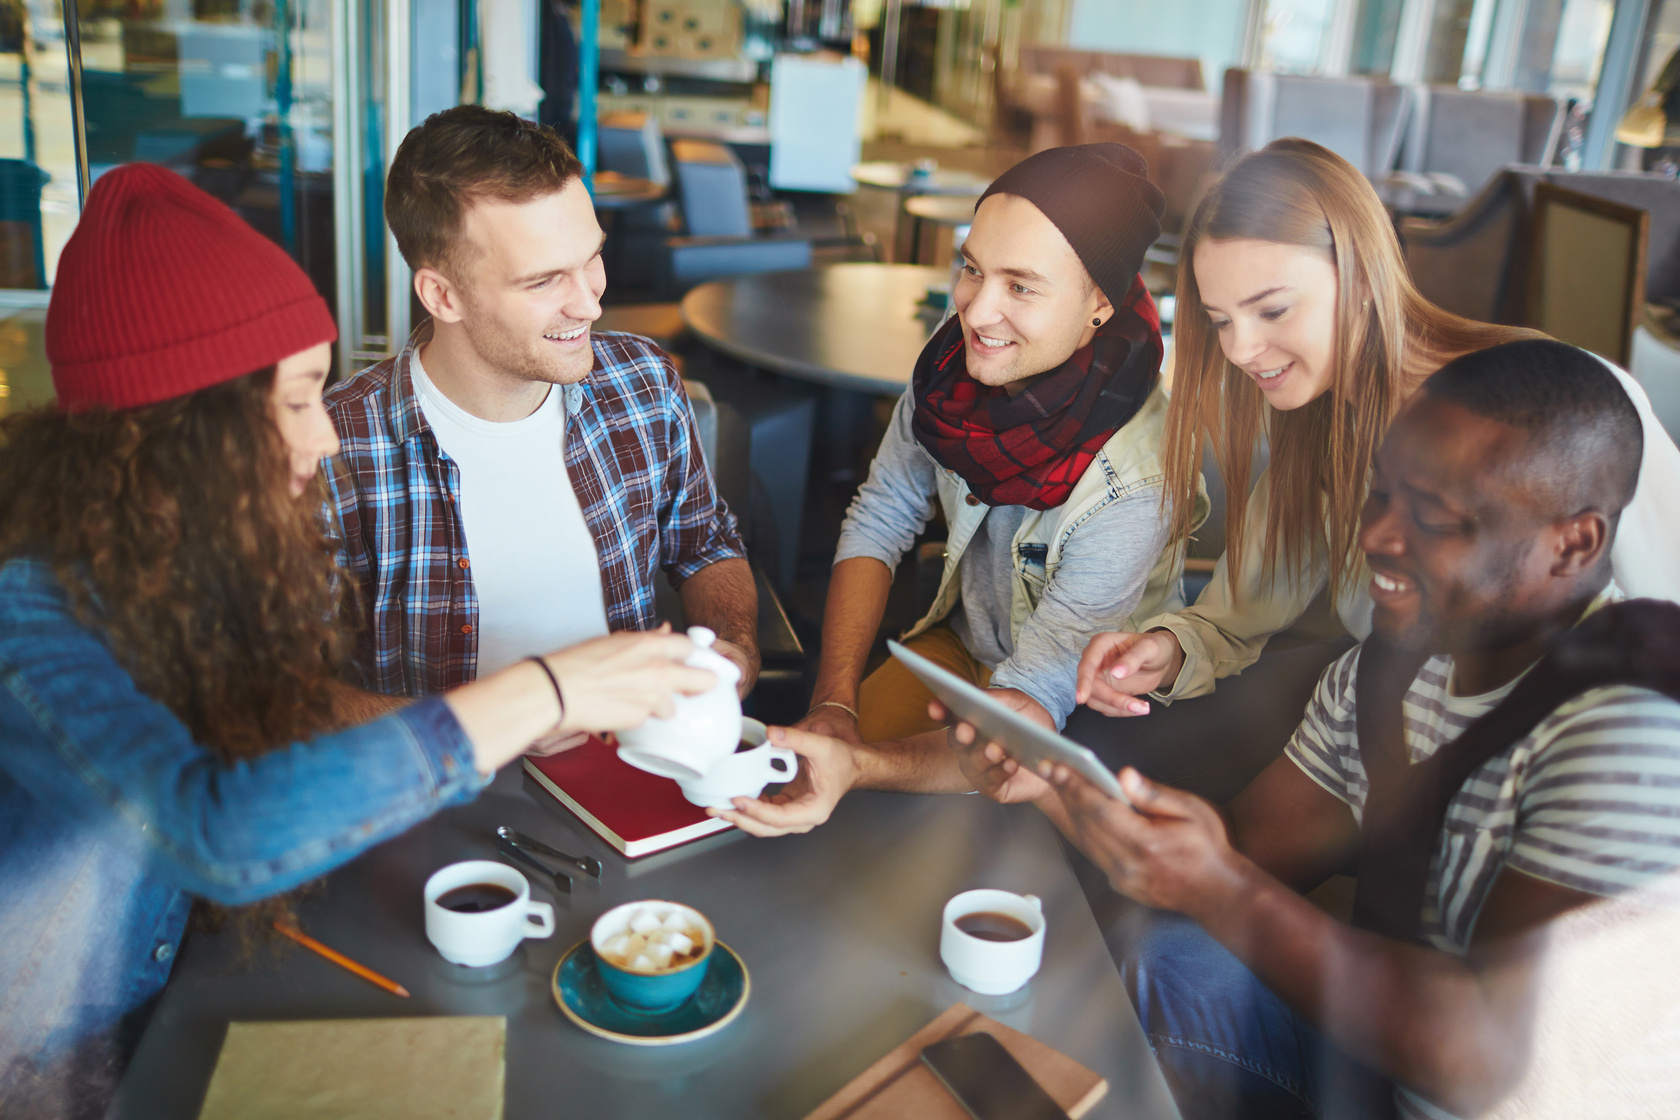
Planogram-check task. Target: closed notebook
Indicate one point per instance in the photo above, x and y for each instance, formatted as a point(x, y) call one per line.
point(900, 1085)
point(361, 1069)
point(634, 811)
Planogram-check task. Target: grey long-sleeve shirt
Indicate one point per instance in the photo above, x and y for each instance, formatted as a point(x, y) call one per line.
point(1105, 566)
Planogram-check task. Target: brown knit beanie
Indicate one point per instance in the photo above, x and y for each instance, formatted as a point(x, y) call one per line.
point(162, 291)
point(1100, 197)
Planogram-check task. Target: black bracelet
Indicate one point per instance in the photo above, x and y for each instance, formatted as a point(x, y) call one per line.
point(553, 680)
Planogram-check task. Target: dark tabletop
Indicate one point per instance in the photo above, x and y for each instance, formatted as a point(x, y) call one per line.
point(839, 929)
point(854, 326)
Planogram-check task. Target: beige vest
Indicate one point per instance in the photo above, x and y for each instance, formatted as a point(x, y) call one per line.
point(1129, 461)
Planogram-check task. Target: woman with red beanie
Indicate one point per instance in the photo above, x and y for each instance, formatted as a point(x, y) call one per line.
point(169, 714)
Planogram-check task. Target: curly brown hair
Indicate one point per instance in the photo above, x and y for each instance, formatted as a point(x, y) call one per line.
point(174, 533)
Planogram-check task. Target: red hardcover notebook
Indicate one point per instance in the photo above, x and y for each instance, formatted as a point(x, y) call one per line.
point(636, 812)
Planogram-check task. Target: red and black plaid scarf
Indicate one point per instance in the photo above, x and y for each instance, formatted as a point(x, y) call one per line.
point(1031, 449)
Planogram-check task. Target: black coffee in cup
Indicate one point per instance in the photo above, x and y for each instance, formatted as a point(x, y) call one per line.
point(988, 925)
point(476, 898)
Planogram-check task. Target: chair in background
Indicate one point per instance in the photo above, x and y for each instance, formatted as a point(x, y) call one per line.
point(23, 262)
point(1360, 119)
point(1476, 263)
point(718, 221)
point(1459, 139)
point(726, 442)
point(632, 145)
point(709, 229)
point(1587, 271)
point(711, 190)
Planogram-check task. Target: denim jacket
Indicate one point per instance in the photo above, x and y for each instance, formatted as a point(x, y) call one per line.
point(110, 815)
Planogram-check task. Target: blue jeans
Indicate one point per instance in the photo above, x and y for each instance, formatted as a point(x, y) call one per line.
point(1230, 1048)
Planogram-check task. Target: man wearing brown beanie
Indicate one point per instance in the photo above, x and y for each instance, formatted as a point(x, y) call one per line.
point(515, 481)
point(1033, 422)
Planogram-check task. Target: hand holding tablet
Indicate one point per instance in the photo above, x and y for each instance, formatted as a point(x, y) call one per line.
point(1025, 741)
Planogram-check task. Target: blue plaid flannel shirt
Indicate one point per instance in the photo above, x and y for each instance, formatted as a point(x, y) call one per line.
point(634, 458)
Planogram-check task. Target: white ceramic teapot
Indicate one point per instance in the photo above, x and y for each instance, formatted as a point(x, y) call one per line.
point(696, 745)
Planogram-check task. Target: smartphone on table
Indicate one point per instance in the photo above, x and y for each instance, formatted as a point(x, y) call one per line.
point(987, 1081)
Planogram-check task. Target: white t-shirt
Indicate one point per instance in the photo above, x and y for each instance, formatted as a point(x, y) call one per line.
point(532, 557)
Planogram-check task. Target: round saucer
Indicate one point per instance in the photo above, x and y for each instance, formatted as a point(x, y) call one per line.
point(583, 998)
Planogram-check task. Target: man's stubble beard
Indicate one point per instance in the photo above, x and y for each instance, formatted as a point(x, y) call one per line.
point(495, 350)
point(1014, 376)
point(1498, 623)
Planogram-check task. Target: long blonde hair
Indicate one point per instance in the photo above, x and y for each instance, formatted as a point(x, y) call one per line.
point(1295, 192)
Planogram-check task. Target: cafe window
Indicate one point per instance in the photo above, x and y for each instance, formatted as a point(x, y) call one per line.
point(235, 95)
point(1292, 35)
point(1556, 48)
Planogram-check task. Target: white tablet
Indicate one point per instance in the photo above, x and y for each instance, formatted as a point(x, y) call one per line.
point(1027, 742)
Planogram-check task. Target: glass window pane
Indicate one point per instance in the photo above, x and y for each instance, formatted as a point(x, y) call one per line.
point(1450, 23)
point(236, 95)
point(1374, 36)
point(37, 155)
point(1476, 43)
point(1293, 35)
point(1583, 32)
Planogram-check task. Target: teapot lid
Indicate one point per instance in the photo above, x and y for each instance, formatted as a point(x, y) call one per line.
point(705, 657)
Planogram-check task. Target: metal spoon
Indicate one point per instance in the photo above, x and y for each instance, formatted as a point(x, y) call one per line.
point(589, 865)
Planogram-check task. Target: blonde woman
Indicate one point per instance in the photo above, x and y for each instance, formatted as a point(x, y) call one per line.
point(1298, 322)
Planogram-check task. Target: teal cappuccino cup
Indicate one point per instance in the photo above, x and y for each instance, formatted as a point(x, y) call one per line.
point(652, 955)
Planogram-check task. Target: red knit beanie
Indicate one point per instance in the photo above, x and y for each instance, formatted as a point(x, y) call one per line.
point(162, 291)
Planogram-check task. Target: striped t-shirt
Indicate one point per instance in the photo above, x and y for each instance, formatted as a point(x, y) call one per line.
point(1589, 800)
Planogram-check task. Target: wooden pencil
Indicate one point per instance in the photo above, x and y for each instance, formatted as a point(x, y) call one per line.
point(341, 960)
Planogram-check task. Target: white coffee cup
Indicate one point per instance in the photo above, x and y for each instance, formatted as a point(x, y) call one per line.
point(992, 968)
point(744, 774)
point(483, 937)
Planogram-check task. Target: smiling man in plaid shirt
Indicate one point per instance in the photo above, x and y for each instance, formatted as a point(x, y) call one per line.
point(512, 482)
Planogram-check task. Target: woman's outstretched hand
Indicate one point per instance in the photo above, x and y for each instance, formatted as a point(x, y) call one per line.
point(1118, 669)
point(615, 682)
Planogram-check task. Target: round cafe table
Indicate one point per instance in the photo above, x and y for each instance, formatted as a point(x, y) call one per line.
point(850, 326)
point(941, 211)
point(910, 182)
point(904, 178)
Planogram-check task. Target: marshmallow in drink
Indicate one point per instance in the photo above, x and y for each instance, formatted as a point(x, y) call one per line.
point(642, 963)
point(680, 944)
point(675, 920)
point(661, 955)
point(618, 949)
point(644, 922)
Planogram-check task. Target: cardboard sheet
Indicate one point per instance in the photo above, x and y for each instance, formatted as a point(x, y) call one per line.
point(361, 1069)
